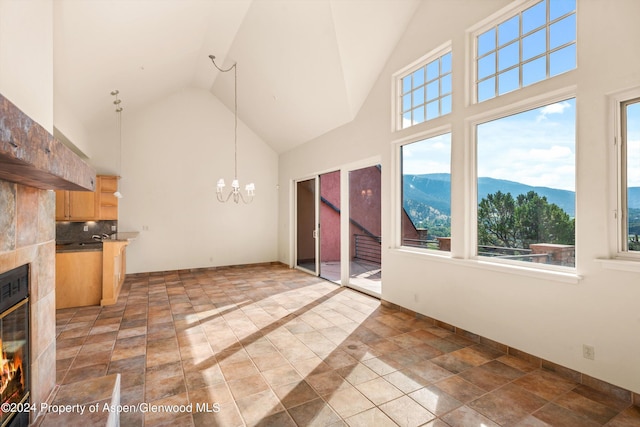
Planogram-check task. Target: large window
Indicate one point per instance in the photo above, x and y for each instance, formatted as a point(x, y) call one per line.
point(526, 186)
point(426, 193)
point(425, 93)
point(630, 175)
point(537, 43)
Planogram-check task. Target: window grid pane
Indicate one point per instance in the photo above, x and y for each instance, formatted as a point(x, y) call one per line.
point(423, 92)
point(526, 186)
point(426, 193)
point(543, 34)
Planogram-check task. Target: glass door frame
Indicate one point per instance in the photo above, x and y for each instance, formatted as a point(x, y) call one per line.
point(345, 246)
point(316, 220)
point(345, 260)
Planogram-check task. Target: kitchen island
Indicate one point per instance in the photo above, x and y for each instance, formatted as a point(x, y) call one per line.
point(91, 272)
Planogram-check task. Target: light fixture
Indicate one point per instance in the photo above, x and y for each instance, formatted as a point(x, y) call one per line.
point(235, 193)
point(117, 102)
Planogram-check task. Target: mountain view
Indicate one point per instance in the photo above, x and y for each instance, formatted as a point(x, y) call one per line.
point(427, 199)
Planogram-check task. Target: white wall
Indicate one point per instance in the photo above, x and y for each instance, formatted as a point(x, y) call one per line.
point(26, 57)
point(537, 313)
point(68, 129)
point(173, 153)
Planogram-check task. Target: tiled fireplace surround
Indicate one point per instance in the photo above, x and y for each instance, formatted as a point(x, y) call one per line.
point(27, 236)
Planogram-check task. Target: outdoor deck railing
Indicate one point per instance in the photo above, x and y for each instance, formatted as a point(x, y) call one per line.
point(368, 248)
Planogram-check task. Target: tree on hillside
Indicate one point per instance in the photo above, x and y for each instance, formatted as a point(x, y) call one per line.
point(517, 223)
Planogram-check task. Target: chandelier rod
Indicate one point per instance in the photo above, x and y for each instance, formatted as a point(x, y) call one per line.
point(234, 67)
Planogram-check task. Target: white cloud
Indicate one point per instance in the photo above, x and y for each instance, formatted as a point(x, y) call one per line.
point(557, 108)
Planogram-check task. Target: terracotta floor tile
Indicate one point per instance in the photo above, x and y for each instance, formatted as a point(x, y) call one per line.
point(558, 416)
point(256, 407)
point(247, 386)
point(271, 346)
point(314, 413)
point(430, 371)
point(465, 417)
point(406, 412)
point(406, 380)
point(630, 417)
point(380, 366)
point(284, 374)
point(483, 378)
point(348, 401)
point(326, 382)
point(357, 373)
point(460, 389)
point(545, 384)
point(605, 399)
point(435, 400)
point(369, 418)
point(593, 410)
point(451, 363)
point(507, 404)
point(379, 390)
point(293, 394)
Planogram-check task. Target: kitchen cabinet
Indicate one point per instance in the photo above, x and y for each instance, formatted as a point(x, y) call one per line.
point(78, 278)
point(107, 202)
point(75, 205)
point(88, 205)
point(93, 275)
point(114, 268)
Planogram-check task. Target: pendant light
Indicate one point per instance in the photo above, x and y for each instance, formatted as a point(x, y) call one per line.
point(235, 193)
point(117, 102)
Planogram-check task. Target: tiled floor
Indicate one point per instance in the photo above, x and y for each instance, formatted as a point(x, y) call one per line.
point(363, 276)
point(268, 345)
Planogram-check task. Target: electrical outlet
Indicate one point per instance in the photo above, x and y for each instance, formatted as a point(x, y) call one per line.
point(145, 228)
point(588, 352)
point(114, 228)
point(85, 228)
point(415, 297)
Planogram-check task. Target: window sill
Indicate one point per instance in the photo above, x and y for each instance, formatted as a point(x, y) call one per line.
point(620, 264)
point(570, 277)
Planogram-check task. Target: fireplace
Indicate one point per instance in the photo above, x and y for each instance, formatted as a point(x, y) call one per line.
point(14, 341)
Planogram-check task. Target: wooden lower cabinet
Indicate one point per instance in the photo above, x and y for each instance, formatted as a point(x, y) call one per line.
point(113, 270)
point(91, 277)
point(78, 279)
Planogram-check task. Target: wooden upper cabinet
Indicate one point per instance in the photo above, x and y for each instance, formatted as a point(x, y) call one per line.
point(107, 202)
point(87, 205)
point(75, 205)
point(82, 205)
point(62, 205)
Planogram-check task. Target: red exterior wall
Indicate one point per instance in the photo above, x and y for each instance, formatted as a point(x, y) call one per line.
point(329, 218)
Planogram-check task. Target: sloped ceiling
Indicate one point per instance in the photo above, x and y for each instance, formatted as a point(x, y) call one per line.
point(304, 66)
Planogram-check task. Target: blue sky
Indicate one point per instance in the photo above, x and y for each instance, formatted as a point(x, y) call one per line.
point(536, 147)
point(633, 145)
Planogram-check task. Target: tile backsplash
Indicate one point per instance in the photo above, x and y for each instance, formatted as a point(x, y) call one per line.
point(75, 231)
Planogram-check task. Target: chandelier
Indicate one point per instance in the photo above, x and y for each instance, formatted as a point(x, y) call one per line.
point(235, 193)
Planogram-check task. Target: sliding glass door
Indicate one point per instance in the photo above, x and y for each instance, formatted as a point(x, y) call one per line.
point(306, 230)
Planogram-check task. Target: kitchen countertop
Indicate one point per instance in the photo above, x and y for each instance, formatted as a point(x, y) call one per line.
point(95, 245)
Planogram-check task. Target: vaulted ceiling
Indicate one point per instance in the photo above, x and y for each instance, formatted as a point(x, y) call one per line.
point(304, 66)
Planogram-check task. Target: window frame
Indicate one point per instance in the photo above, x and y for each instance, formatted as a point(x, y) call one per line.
point(438, 52)
point(495, 20)
point(471, 124)
point(618, 102)
point(396, 171)
point(414, 140)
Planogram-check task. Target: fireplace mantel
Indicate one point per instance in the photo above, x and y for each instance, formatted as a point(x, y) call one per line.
point(31, 156)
